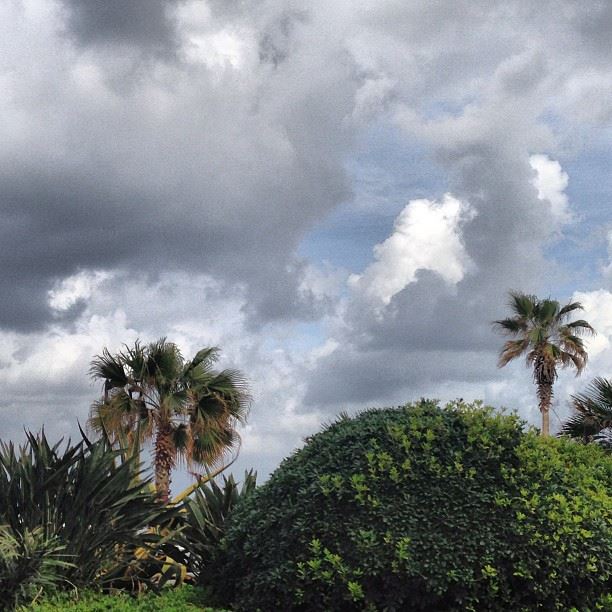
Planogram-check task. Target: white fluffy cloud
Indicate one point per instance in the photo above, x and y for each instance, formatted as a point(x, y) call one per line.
point(598, 312)
point(426, 236)
point(80, 286)
point(551, 182)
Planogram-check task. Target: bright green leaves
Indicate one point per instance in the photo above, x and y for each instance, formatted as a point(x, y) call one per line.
point(325, 570)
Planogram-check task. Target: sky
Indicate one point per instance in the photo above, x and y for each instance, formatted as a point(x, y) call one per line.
point(339, 195)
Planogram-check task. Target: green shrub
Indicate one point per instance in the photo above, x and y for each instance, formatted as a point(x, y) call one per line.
point(83, 499)
point(423, 508)
point(184, 599)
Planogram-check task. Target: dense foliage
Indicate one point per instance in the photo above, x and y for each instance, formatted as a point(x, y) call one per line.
point(78, 504)
point(423, 508)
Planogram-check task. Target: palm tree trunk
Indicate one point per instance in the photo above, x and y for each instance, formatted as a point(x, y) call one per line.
point(164, 461)
point(545, 395)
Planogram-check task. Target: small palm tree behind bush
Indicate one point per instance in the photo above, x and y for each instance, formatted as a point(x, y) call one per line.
point(548, 340)
point(592, 418)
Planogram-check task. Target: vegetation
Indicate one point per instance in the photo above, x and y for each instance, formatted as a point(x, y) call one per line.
point(205, 517)
point(548, 340)
point(422, 508)
point(74, 515)
point(189, 409)
point(29, 563)
point(185, 599)
point(592, 418)
point(409, 508)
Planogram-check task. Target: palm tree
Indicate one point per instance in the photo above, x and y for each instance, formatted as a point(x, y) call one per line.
point(547, 339)
point(187, 408)
point(592, 420)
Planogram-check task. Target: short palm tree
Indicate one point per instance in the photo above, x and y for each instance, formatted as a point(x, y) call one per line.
point(548, 340)
point(592, 418)
point(187, 408)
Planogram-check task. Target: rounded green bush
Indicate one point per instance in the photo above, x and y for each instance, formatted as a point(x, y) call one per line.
point(424, 508)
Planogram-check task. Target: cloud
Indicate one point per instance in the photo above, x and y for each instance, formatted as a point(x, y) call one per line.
point(551, 183)
point(48, 370)
point(162, 165)
point(75, 288)
point(426, 236)
point(218, 167)
point(598, 312)
point(147, 24)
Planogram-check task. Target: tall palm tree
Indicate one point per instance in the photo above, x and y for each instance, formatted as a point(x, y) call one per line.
point(592, 418)
point(187, 408)
point(548, 340)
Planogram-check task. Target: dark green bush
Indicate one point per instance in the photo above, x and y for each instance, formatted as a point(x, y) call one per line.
point(423, 508)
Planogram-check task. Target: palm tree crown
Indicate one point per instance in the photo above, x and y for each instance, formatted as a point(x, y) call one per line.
point(189, 409)
point(592, 418)
point(547, 338)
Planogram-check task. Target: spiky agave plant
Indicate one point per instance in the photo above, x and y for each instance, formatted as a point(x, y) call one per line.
point(84, 499)
point(189, 410)
point(205, 515)
point(592, 418)
point(30, 563)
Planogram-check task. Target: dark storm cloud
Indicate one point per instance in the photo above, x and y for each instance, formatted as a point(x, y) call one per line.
point(211, 168)
point(147, 24)
point(220, 164)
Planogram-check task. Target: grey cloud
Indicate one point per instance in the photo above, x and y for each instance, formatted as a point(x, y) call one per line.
point(351, 376)
point(430, 329)
point(223, 171)
point(593, 24)
point(428, 315)
point(146, 24)
point(217, 172)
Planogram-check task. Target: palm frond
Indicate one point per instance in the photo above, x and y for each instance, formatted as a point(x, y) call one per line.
point(511, 350)
point(592, 411)
point(581, 327)
point(201, 363)
point(569, 308)
point(108, 367)
point(548, 311)
point(523, 304)
point(510, 326)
